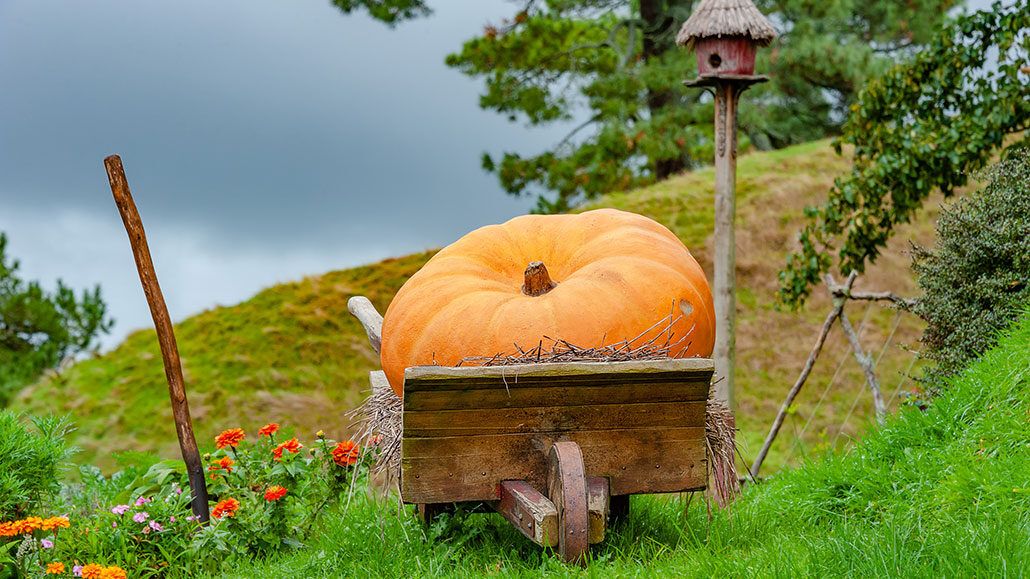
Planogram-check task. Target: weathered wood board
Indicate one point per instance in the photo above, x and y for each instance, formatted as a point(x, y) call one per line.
point(640, 424)
point(530, 512)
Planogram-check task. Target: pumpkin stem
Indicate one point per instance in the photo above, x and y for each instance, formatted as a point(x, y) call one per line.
point(538, 282)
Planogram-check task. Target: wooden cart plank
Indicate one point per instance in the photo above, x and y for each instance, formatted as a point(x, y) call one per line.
point(481, 421)
point(531, 375)
point(470, 468)
point(521, 397)
point(541, 442)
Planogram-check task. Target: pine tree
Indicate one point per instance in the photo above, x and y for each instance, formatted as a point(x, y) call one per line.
point(39, 329)
point(613, 66)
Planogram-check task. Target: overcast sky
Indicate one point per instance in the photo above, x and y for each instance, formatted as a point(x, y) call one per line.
point(263, 141)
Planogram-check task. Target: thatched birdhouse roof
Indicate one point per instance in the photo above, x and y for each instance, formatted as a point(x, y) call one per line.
point(716, 18)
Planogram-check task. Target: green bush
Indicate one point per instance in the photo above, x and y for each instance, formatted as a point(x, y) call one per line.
point(976, 279)
point(30, 462)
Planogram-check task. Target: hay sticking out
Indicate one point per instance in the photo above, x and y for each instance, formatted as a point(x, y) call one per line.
point(559, 350)
point(721, 440)
point(379, 426)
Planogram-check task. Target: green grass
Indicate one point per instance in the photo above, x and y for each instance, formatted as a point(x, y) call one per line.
point(941, 492)
point(293, 354)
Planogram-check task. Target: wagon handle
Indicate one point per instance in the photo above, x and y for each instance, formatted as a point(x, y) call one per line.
point(362, 309)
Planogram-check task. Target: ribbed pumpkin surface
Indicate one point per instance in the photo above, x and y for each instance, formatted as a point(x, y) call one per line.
point(618, 274)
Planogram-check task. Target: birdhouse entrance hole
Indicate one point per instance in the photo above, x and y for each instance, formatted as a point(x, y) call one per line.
point(726, 55)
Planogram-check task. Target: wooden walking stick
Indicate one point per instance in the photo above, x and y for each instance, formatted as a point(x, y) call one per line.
point(165, 334)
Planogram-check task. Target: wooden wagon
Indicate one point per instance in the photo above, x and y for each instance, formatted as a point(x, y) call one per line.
point(556, 448)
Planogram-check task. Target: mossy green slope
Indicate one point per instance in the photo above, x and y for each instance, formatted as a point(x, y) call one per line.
point(293, 354)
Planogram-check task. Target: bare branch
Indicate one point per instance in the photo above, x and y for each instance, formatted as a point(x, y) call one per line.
point(883, 296)
point(846, 293)
point(866, 362)
point(577, 129)
point(867, 366)
point(838, 308)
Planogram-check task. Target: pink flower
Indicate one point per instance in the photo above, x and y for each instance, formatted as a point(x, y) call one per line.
point(77, 570)
point(171, 520)
point(191, 518)
point(114, 525)
point(120, 509)
point(140, 517)
point(142, 501)
point(156, 526)
point(47, 544)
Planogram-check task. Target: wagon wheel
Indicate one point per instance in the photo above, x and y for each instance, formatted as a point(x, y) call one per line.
point(566, 487)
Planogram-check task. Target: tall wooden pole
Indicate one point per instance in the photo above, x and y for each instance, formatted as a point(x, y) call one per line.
point(165, 335)
point(724, 279)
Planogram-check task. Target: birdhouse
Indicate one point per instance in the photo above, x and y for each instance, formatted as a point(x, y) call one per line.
point(725, 35)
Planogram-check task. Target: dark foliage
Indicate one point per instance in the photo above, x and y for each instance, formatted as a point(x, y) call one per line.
point(388, 11)
point(976, 281)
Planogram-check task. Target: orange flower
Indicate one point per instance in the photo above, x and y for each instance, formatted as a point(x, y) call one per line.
point(7, 529)
point(26, 525)
point(112, 572)
point(92, 571)
point(55, 568)
point(231, 437)
point(223, 463)
point(274, 493)
point(346, 453)
point(269, 429)
point(225, 508)
point(293, 445)
point(54, 523)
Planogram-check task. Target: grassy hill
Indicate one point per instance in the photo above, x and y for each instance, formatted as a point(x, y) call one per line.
point(293, 354)
point(943, 492)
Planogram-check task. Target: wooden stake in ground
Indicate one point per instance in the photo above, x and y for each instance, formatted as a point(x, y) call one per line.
point(165, 335)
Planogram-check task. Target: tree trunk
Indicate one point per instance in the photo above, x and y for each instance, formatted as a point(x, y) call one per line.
point(659, 34)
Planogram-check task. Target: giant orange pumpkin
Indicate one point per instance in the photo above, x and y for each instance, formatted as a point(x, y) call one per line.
point(615, 274)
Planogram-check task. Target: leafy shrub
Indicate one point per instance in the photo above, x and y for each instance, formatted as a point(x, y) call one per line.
point(267, 497)
point(978, 276)
point(30, 462)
